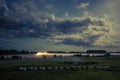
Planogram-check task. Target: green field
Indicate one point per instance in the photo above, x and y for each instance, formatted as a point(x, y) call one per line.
point(8, 70)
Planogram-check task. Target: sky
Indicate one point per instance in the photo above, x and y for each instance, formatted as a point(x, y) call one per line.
point(60, 25)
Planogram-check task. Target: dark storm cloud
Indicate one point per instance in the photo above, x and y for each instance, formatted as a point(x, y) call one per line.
point(47, 26)
point(70, 41)
point(26, 19)
point(80, 42)
point(86, 31)
point(73, 26)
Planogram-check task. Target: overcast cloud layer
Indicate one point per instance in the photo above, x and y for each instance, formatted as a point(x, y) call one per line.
point(39, 19)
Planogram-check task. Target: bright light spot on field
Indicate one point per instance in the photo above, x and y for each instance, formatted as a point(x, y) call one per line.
point(41, 53)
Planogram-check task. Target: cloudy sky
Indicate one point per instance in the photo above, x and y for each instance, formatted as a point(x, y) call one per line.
point(60, 25)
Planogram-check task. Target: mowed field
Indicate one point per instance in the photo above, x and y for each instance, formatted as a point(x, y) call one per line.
point(8, 70)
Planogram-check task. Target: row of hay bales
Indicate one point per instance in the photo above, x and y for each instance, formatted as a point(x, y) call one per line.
point(44, 68)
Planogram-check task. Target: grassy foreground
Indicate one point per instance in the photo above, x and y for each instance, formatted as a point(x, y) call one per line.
point(8, 72)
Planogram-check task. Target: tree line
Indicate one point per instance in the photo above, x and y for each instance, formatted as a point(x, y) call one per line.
point(12, 52)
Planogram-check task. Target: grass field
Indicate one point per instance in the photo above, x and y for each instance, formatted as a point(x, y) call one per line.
point(8, 72)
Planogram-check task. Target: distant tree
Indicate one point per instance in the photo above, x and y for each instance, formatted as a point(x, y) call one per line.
point(107, 54)
point(20, 57)
point(60, 55)
point(87, 55)
point(44, 57)
point(54, 56)
point(2, 57)
point(12, 51)
point(96, 51)
point(27, 52)
point(14, 57)
point(78, 55)
point(24, 52)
